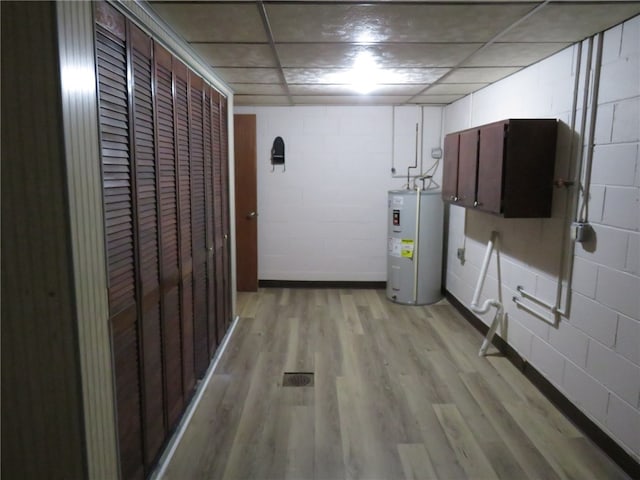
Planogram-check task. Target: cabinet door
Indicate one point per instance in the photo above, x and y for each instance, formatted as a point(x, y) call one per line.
point(490, 165)
point(467, 168)
point(450, 168)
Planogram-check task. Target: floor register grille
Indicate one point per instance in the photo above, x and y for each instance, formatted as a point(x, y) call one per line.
point(297, 379)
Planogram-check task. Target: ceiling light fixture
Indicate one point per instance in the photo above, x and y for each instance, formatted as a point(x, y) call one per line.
point(364, 74)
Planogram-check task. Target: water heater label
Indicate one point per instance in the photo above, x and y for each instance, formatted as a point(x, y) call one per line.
point(396, 217)
point(397, 201)
point(406, 249)
point(394, 247)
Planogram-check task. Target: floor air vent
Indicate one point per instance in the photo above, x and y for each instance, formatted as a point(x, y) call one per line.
point(297, 379)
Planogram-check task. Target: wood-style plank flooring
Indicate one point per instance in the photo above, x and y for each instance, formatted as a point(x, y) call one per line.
point(399, 393)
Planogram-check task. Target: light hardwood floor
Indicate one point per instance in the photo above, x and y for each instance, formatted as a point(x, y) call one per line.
point(399, 393)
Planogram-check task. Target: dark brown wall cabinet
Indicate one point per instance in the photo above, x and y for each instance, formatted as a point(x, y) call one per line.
point(505, 168)
point(163, 152)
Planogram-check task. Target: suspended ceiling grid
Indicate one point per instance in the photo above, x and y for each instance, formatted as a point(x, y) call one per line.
point(297, 52)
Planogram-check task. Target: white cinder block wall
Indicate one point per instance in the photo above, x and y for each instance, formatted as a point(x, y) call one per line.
point(325, 218)
point(593, 356)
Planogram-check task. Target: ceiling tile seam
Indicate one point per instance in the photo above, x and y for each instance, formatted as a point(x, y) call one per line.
point(274, 51)
point(491, 41)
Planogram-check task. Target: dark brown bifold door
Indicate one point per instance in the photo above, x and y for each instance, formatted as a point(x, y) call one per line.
point(169, 234)
point(147, 235)
point(218, 218)
point(224, 144)
point(117, 176)
point(181, 110)
point(198, 226)
point(209, 219)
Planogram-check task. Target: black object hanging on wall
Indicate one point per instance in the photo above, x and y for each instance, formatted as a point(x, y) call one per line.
point(277, 154)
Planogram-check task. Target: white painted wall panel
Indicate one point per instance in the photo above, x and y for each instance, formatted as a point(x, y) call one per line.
point(585, 391)
point(592, 356)
point(325, 218)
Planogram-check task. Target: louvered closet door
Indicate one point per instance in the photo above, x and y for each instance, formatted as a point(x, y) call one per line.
point(181, 110)
point(225, 210)
point(209, 219)
point(169, 234)
point(148, 254)
point(119, 230)
point(198, 225)
point(218, 219)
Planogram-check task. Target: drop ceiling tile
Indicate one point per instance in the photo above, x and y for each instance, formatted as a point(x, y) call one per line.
point(240, 100)
point(514, 54)
point(257, 89)
point(341, 76)
point(390, 55)
point(454, 88)
point(436, 99)
point(315, 89)
point(248, 75)
point(479, 74)
point(349, 100)
point(383, 22)
point(560, 22)
point(214, 22)
point(236, 54)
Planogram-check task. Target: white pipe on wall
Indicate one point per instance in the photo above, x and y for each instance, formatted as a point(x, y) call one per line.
point(491, 302)
point(483, 274)
point(584, 160)
point(415, 246)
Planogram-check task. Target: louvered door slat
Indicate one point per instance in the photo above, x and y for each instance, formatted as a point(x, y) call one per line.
point(181, 114)
point(209, 220)
point(224, 141)
point(218, 220)
point(148, 248)
point(198, 216)
point(119, 231)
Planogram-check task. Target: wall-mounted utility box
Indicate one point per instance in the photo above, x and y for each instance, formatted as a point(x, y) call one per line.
point(504, 168)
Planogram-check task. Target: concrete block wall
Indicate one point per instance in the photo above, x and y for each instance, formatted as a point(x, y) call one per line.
point(325, 218)
point(593, 356)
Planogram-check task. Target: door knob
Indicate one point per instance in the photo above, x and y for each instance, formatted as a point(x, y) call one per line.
point(251, 215)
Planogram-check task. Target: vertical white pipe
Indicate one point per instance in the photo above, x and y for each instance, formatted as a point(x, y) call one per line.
point(416, 244)
point(566, 254)
point(483, 270)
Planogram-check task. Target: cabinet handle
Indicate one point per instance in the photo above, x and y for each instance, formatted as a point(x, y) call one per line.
point(454, 198)
point(476, 203)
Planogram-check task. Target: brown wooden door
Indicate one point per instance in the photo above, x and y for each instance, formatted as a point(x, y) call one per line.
point(450, 168)
point(146, 202)
point(181, 110)
point(490, 163)
point(198, 226)
point(467, 168)
point(220, 240)
point(169, 227)
point(226, 217)
point(207, 133)
point(246, 203)
point(119, 210)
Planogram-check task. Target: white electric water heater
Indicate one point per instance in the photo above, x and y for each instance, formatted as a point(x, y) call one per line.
point(414, 251)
